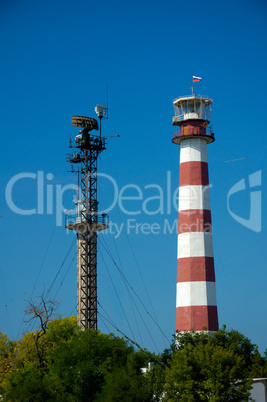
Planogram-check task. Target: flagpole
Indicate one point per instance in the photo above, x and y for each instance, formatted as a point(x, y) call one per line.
point(195, 79)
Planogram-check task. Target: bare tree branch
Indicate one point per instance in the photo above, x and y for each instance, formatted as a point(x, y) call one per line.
point(44, 312)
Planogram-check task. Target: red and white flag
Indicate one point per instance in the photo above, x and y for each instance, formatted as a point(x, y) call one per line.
point(196, 79)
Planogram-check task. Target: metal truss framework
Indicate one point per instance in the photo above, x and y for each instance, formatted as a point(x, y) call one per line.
point(88, 274)
point(90, 148)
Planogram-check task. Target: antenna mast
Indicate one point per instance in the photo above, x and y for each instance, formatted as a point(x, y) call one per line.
point(85, 219)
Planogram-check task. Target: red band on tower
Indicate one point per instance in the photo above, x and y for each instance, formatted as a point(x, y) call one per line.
point(194, 173)
point(200, 316)
point(195, 269)
point(194, 220)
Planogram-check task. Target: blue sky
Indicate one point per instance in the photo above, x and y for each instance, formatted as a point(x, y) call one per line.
point(57, 59)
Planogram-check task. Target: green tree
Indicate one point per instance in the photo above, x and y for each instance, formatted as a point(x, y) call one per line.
point(76, 366)
point(86, 365)
point(95, 366)
point(206, 372)
point(259, 365)
point(30, 381)
point(155, 378)
point(127, 382)
point(7, 359)
point(230, 340)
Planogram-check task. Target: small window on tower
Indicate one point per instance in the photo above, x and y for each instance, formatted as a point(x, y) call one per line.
point(184, 108)
point(191, 107)
point(197, 106)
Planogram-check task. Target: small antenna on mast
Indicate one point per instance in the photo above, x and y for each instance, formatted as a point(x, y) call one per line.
point(100, 111)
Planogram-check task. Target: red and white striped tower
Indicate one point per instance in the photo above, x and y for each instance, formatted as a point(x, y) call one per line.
point(196, 306)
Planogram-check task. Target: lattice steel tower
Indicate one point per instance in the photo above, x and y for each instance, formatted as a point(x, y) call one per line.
point(85, 219)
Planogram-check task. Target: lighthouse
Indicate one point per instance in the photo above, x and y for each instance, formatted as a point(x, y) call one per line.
point(196, 306)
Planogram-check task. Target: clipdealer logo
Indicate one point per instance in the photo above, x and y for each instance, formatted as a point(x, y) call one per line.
point(254, 221)
point(45, 195)
point(132, 200)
